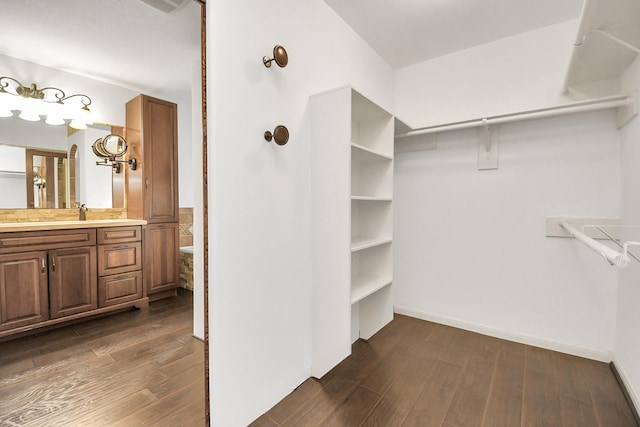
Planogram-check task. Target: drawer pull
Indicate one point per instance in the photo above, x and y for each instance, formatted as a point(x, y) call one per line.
point(121, 247)
point(44, 267)
point(53, 264)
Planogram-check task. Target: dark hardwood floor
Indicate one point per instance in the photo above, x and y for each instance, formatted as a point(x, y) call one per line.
point(417, 373)
point(139, 367)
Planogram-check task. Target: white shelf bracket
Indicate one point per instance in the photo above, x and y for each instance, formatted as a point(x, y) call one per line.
point(625, 113)
point(617, 40)
point(487, 146)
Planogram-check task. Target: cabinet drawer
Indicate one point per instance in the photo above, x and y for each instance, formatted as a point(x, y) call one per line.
point(111, 235)
point(119, 288)
point(120, 258)
point(26, 241)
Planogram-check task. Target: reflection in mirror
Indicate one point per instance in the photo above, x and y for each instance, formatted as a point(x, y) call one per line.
point(46, 176)
point(114, 145)
point(83, 181)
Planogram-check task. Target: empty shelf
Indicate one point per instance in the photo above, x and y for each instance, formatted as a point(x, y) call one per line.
point(360, 243)
point(372, 198)
point(374, 153)
point(362, 286)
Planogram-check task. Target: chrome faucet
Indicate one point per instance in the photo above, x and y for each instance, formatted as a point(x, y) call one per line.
point(83, 212)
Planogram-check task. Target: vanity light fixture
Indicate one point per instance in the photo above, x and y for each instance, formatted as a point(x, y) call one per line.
point(279, 55)
point(50, 101)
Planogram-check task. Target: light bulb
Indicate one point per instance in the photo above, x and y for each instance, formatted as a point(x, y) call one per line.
point(54, 119)
point(30, 116)
point(78, 124)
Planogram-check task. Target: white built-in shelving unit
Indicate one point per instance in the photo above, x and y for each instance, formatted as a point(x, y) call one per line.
point(352, 177)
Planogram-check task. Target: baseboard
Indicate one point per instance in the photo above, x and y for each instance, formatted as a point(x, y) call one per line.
point(601, 356)
point(623, 381)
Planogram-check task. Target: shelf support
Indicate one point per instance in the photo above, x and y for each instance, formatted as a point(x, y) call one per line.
point(487, 146)
point(612, 37)
point(626, 112)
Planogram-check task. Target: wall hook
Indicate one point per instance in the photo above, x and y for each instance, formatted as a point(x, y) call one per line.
point(279, 55)
point(280, 135)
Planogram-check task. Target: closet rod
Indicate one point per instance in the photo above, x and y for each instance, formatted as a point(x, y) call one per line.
point(574, 107)
point(613, 257)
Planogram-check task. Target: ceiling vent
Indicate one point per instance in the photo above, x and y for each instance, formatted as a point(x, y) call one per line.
point(166, 6)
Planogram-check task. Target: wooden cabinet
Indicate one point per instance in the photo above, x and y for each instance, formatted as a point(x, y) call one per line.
point(72, 281)
point(162, 260)
point(49, 277)
point(119, 265)
point(352, 232)
point(152, 135)
point(24, 297)
point(152, 189)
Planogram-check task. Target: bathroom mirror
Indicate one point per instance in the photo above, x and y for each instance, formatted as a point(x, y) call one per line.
point(114, 145)
point(84, 182)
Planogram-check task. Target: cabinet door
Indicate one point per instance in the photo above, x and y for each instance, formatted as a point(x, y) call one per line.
point(23, 289)
point(73, 281)
point(161, 257)
point(161, 157)
point(152, 136)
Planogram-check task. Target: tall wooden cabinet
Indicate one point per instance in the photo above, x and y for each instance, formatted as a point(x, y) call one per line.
point(352, 181)
point(152, 189)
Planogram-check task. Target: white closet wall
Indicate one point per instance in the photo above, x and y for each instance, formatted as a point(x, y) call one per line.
point(627, 356)
point(470, 248)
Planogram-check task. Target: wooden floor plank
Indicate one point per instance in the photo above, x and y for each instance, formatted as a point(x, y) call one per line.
point(99, 372)
point(504, 404)
point(432, 404)
point(469, 402)
point(354, 409)
point(541, 402)
point(300, 396)
point(452, 378)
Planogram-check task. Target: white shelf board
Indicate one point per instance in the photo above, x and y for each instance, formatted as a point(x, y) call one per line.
point(359, 243)
point(362, 286)
point(372, 198)
point(372, 152)
point(596, 57)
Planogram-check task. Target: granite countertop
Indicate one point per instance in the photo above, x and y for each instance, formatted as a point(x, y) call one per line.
point(65, 225)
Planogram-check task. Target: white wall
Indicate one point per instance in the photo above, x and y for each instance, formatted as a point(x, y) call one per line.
point(470, 247)
point(259, 198)
point(96, 185)
point(198, 203)
point(628, 320)
point(517, 73)
point(13, 179)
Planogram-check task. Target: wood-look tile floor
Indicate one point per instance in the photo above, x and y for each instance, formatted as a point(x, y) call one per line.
point(139, 367)
point(417, 373)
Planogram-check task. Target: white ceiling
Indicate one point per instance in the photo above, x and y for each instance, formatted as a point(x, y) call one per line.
point(128, 43)
point(125, 42)
point(404, 32)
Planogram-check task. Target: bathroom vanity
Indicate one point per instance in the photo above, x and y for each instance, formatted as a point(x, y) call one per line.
point(54, 272)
